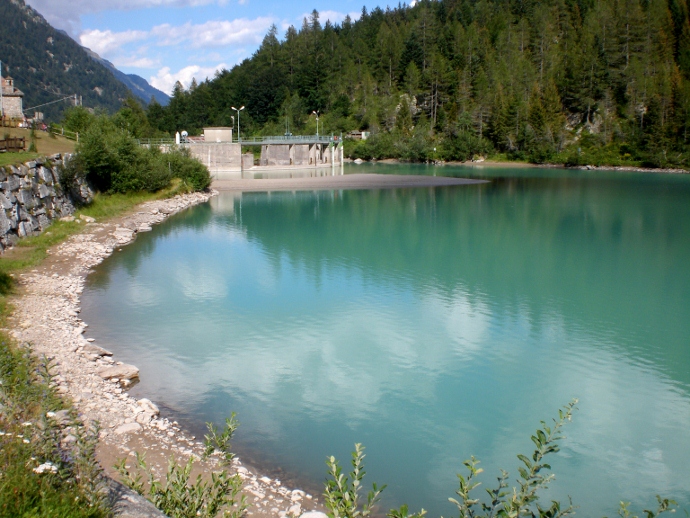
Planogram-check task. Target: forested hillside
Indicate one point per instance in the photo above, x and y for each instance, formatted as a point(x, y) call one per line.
point(542, 80)
point(48, 65)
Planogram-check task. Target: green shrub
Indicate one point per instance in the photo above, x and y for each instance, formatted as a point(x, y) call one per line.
point(180, 497)
point(141, 170)
point(188, 169)
point(114, 162)
point(221, 441)
point(78, 119)
point(463, 145)
point(343, 498)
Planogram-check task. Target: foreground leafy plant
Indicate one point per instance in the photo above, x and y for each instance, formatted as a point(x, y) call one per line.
point(664, 505)
point(343, 494)
point(524, 499)
point(214, 440)
point(179, 497)
point(343, 498)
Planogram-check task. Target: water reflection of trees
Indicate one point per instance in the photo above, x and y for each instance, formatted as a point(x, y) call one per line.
point(132, 256)
point(605, 250)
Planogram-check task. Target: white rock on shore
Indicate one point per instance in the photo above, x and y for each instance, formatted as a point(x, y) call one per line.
point(122, 372)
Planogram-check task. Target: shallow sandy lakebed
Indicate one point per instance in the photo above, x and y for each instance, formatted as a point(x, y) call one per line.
point(339, 181)
point(46, 316)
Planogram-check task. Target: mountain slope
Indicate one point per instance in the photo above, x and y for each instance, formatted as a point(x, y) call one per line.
point(139, 86)
point(48, 65)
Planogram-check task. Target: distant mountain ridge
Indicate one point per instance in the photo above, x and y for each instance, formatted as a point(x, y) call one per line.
point(48, 65)
point(137, 84)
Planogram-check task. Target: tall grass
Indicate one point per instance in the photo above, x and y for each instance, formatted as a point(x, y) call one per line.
point(42, 475)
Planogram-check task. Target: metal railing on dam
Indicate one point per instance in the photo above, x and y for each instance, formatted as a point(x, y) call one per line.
point(251, 141)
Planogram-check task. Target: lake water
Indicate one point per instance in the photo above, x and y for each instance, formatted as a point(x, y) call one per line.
point(429, 325)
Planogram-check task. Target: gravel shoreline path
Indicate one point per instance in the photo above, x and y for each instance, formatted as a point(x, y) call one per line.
point(46, 316)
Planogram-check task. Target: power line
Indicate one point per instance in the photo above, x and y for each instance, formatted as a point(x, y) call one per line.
point(51, 102)
point(34, 84)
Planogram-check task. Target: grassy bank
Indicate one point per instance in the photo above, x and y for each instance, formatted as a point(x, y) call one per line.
point(16, 158)
point(47, 463)
point(30, 251)
point(46, 144)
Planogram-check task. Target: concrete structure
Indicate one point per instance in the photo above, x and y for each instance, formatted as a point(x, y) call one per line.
point(358, 135)
point(220, 134)
point(223, 159)
point(247, 161)
point(317, 154)
point(12, 99)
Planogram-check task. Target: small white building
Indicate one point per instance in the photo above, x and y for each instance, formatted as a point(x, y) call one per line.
point(12, 99)
point(222, 134)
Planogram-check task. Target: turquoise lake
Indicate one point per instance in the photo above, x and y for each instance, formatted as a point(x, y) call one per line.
point(428, 324)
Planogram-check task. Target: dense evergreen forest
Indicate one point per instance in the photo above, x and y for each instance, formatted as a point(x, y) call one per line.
point(589, 81)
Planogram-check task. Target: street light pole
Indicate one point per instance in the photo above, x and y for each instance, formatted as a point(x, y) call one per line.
point(317, 121)
point(238, 121)
point(2, 113)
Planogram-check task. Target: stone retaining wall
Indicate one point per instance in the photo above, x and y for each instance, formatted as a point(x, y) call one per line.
point(32, 197)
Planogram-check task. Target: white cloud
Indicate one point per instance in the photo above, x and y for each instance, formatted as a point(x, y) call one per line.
point(66, 14)
point(108, 42)
point(165, 79)
point(135, 62)
point(217, 33)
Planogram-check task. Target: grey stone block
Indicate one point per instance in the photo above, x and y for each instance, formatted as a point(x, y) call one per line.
point(5, 225)
point(23, 229)
point(128, 504)
point(12, 183)
point(24, 197)
point(46, 175)
point(43, 221)
point(35, 225)
point(4, 202)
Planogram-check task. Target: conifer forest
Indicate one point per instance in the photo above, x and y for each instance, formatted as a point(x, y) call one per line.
point(563, 81)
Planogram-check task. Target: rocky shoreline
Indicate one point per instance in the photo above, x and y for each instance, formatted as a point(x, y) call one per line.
point(46, 316)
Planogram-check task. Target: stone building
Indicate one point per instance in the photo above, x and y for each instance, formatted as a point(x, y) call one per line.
point(12, 99)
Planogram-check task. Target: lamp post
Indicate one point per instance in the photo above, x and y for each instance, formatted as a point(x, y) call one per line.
point(238, 121)
point(2, 113)
point(317, 121)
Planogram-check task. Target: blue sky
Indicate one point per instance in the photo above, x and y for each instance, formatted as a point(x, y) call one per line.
point(169, 40)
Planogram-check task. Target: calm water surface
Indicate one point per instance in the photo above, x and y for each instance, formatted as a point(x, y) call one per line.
point(428, 324)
